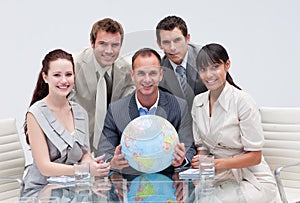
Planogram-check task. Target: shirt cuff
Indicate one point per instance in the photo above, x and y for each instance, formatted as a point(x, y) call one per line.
point(184, 163)
point(112, 172)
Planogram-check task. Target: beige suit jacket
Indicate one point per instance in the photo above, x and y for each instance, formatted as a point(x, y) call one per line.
point(85, 88)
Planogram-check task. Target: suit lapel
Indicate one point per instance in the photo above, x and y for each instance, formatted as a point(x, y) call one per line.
point(166, 63)
point(191, 69)
point(119, 83)
point(122, 82)
point(170, 81)
point(133, 110)
point(162, 106)
point(90, 75)
point(117, 75)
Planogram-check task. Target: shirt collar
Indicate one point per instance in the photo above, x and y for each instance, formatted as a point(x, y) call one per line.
point(100, 69)
point(183, 63)
point(139, 105)
point(226, 94)
point(223, 99)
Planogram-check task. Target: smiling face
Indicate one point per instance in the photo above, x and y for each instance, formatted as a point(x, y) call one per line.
point(106, 47)
point(174, 44)
point(214, 76)
point(146, 74)
point(60, 77)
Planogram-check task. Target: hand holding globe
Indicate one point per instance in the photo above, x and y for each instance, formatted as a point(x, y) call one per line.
point(118, 162)
point(179, 155)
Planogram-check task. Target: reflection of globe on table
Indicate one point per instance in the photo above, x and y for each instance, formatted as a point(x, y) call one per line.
point(148, 143)
point(153, 187)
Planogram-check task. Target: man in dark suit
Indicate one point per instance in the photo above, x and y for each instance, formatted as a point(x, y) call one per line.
point(181, 77)
point(146, 73)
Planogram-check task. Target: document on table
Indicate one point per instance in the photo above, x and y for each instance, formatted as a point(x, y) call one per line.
point(61, 180)
point(191, 173)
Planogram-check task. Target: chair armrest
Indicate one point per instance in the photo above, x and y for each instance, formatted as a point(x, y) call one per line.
point(279, 182)
point(12, 179)
point(20, 181)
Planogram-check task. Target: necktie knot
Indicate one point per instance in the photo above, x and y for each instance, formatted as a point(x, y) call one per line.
point(181, 71)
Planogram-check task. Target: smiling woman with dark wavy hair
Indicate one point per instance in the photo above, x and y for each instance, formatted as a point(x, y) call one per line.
point(57, 129)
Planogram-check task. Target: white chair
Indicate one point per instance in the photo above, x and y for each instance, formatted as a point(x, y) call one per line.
point(282, 148)
point(12, 161)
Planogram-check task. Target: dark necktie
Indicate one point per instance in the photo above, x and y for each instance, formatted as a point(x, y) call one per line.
point(182, 79)
point(109, 84)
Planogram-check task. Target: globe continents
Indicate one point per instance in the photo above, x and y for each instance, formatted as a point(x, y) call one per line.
point(148, 143)
point(153, 187)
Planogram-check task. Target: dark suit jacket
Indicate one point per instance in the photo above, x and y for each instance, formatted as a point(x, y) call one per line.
point(171, 83)
point(121, 112)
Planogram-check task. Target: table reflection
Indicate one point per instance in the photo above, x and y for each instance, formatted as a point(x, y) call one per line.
point(151, 187)
point(144, 188)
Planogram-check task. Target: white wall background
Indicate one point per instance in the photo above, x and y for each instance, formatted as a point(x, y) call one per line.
point(261, 36)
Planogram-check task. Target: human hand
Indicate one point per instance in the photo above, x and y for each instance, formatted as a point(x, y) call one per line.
point(179, 186)
point(179, 155)
point(99, 167)
point(118, 162)
point(195, 161)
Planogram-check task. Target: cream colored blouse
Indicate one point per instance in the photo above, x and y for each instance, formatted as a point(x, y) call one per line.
point(233, 128)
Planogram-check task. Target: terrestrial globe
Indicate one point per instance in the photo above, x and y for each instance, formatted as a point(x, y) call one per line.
point(148, 143)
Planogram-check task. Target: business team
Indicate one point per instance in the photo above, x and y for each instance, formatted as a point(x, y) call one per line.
point(89, 101)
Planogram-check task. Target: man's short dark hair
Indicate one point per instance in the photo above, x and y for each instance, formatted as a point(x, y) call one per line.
point(169, 23)
point(107, 25)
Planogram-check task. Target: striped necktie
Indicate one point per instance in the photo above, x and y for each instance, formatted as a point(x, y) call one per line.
point(182, 78)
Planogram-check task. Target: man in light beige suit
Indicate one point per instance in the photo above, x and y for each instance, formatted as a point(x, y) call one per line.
point(100, 76)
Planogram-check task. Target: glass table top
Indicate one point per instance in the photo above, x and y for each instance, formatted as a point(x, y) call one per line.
point(144, 188)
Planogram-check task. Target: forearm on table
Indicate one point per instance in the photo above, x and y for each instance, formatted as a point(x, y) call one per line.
point(56, 169)
point(240, 161)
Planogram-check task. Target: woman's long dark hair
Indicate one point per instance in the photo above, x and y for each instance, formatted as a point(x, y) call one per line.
point(41, 88)
point(214, 53)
